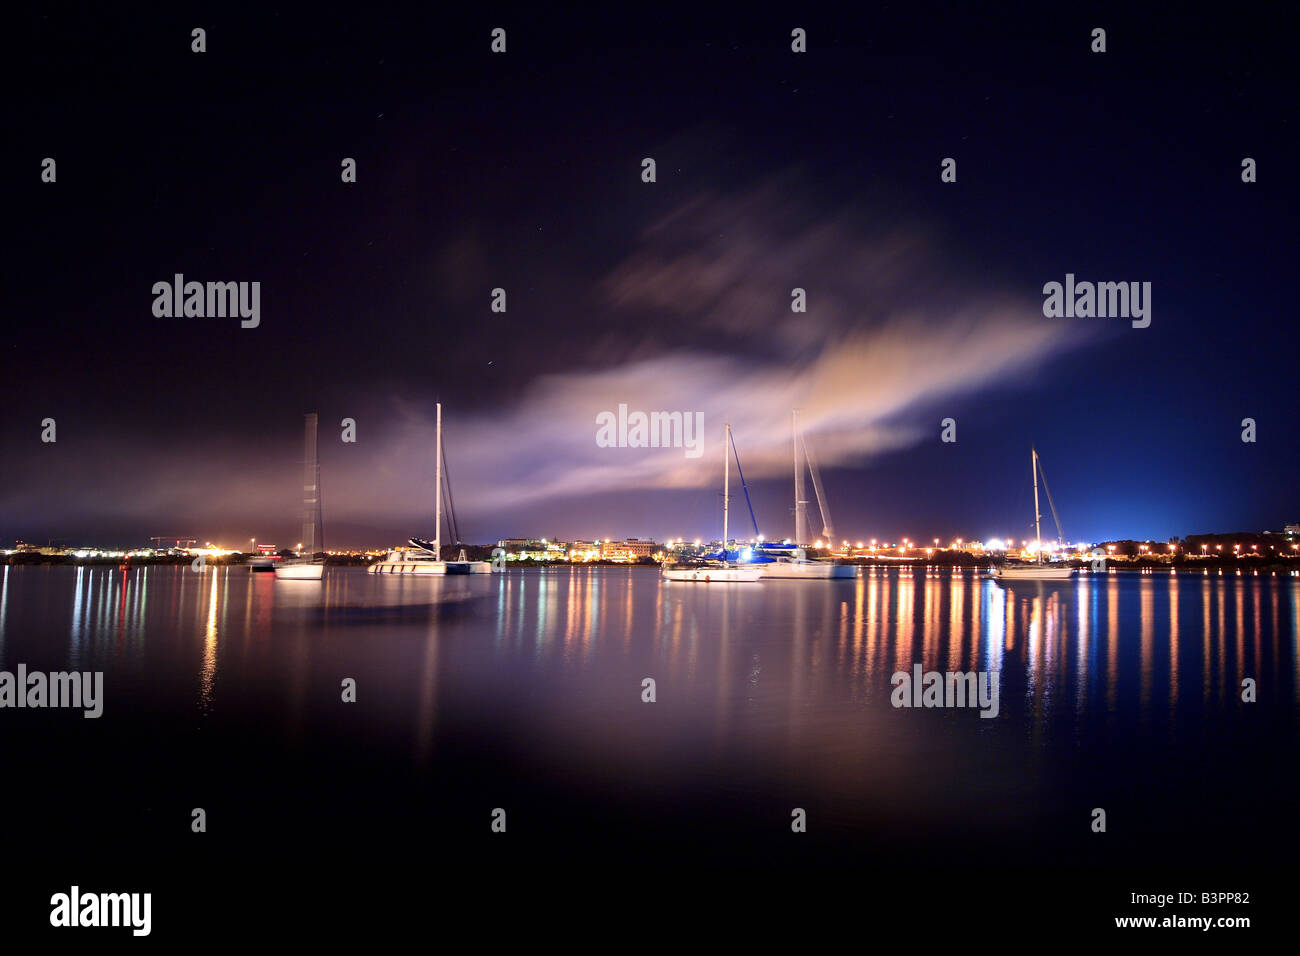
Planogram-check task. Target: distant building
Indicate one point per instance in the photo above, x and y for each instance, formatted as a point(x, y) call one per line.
point(533, 549)
point(584, 550)
point(629, 549)
point(682, 550)
point(45, 549)
point(544, 549)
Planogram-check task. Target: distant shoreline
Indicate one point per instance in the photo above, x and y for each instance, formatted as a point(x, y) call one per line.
point(948, 560)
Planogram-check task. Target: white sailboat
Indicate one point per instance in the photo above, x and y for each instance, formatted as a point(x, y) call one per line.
point(800, 567)
point(1038, 569)
point(723, 572)
point(792, 562)
point(425, 557)
point(306, 566)
point(463, 565)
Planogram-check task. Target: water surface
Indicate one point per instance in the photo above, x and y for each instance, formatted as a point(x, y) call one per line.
point(523, 691)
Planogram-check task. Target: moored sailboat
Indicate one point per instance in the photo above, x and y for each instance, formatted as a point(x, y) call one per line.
point(790, 560)
point(722, 570)
point(794, 563)
point(306, 566)
point(425, 557)
point(1038, 569)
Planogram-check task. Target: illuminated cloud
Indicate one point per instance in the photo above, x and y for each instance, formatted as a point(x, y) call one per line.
point(887, 335)
point(696, 319)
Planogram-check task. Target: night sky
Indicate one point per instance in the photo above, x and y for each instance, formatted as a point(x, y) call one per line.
point(522, 171)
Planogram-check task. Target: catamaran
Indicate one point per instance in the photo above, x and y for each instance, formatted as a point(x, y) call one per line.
point(721, 571)
point(789, 560)
point(1038, 569)
point(425, 557)
point(306, 566)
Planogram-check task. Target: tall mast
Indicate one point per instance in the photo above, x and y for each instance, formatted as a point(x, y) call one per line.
point(310, 485)
point(1038, 535)
point(437, 518)
point(800, 505)
point(828, 530)
point(726, 488)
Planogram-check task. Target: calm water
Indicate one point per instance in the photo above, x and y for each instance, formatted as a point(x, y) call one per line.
point(523, 691)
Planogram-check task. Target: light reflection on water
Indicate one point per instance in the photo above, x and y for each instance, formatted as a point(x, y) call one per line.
point(1093, 646)
point(1071, 640)
point(1122, 688)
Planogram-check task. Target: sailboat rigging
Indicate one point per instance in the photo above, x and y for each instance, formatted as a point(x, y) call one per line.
point(1038, 569)
point(789, 560)
point(306, 566)
point(723, 570)
point(425, 557)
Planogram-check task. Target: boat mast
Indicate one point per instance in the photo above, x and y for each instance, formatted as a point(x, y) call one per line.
point(726, 489)
point(310, 485)
point(828, 530)
point(437, 514)
point(745, 488)
point(1038, 537)
point(800, 505)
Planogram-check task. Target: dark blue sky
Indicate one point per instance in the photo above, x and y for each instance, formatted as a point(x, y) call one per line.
point(774, 169)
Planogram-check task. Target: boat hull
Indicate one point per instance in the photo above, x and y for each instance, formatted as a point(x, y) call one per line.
point(713, 575)
point(809, 570)
point(409, 567)
point(1033, 573)
point(300, 572)
point(469, 567)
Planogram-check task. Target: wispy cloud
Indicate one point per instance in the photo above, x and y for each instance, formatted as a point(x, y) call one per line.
point(888, 333)
point(699, 320)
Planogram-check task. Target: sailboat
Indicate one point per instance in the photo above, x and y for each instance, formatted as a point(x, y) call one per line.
point(1038, 569)
point(425, 557)
point(789, 559)
point(723, 571)
point(306, 566)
